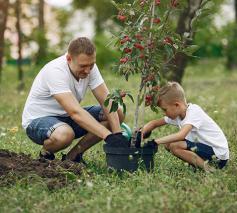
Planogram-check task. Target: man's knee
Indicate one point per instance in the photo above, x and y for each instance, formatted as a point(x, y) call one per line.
point(63, 135)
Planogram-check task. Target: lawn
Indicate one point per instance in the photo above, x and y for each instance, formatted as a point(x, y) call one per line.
point(172, 187)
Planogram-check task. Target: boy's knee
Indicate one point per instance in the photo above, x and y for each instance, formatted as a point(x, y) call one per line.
point(173, 148)
point(167, 147)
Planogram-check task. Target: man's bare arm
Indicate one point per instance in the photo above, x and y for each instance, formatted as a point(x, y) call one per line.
point(100, 94)
point(81, 116)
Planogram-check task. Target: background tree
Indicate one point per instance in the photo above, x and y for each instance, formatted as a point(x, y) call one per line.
point(19, 44)
point(232, 44)
point(3, 19)
point(40, 34)
point(185, 30)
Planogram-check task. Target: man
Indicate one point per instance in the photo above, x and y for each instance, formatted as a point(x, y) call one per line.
point(52, 115)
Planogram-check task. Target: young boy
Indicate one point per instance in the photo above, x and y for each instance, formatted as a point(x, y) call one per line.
point(199, 138)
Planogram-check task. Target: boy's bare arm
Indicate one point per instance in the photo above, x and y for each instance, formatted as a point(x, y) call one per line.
point(151, 125)
point(179, 136)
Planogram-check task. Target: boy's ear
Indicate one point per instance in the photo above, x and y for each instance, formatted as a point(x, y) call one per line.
point(68, 57)
point(177, 104)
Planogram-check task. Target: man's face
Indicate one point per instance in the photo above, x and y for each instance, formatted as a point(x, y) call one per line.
point(81, 65)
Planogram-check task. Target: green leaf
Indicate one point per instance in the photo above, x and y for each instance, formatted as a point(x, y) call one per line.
point(169, 51)
point(106, 102)
point(141, 99)
point(114, 107)
point(191, 49)
point(126, 76)
point(124, 109)
point(154, 109)
point(116, 93)
point(70, 175)
point(130, 96)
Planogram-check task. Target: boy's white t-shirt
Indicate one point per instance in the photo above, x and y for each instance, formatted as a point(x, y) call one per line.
point(204, 130)
point(54, 78)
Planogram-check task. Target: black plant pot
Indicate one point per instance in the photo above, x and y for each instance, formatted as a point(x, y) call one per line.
point(130, 159)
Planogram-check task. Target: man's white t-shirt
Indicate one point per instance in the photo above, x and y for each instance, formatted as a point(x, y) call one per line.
point(204, 130)
point(54, 78)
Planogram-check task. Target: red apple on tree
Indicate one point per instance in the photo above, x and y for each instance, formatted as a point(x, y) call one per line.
point(138, 46)
point(121, 18)
point(122, 94)
point(157, 2)
point(156, 20)
point(125, 39)
point(123, 60)
point(127, 50)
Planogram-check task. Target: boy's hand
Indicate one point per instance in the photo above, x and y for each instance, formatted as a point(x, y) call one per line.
point(151, 144)
point(117, 140)
point(147, 134)
point(138, 139)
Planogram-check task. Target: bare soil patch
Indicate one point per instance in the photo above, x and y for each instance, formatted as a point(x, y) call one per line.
point(55, 174)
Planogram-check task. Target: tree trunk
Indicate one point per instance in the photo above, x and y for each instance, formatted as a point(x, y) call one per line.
point(41, 39)
point(179, 63)
point(3, 19)
point(19, 44)
point(232, 45)
point(236, 11)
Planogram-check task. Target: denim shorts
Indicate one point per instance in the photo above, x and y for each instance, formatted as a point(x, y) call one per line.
point(206, 153)
point(40, 129)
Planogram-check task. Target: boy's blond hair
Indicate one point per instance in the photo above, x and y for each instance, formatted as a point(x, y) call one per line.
point(171, 92)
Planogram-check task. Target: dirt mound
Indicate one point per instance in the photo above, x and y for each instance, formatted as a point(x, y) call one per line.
point(55, 174)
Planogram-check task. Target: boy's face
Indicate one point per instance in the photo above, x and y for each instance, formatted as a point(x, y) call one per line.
point(171, 109)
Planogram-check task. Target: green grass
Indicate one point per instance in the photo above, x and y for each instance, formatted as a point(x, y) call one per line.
point(172, 187)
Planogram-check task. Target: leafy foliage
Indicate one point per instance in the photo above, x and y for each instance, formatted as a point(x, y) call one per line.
point(147, 42)
point(117, 100)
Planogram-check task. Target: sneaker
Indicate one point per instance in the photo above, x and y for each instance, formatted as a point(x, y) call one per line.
point(46, 155)
point(78, 158)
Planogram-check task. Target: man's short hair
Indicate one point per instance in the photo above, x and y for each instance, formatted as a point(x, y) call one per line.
point(81, 45)
point(171, 92)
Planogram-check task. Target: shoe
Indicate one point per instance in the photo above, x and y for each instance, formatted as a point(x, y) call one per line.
point(78, 159)
point(46, 155)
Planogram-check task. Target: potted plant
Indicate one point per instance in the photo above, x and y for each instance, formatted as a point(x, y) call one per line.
point(148, 43)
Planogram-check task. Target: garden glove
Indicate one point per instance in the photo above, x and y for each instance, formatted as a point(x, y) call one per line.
point(117, 140)
point(151, 144)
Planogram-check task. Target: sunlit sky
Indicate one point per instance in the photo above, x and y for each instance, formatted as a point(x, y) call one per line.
point(58, 3)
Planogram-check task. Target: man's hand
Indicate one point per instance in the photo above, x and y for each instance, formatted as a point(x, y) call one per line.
point(117, 140)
